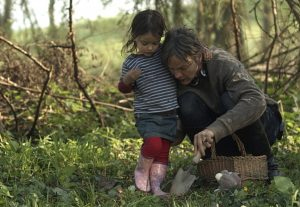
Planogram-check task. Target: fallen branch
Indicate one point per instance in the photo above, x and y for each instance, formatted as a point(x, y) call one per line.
point(16, 86)
point(39, 64)
point(42, 67)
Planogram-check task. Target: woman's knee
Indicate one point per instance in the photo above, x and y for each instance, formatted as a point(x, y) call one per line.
point(186, 103)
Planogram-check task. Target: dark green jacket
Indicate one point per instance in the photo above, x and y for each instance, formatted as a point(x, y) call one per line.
point(226, 74)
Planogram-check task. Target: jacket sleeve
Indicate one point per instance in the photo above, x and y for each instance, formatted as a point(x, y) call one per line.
point(248, 100)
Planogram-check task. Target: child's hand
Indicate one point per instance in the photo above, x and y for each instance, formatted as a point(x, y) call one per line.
point(132, 76)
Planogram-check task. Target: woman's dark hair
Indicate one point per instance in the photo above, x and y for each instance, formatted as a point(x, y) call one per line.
point(145, 21)
point(181, 42)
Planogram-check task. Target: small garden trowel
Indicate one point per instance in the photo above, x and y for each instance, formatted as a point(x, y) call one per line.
point(184, 179)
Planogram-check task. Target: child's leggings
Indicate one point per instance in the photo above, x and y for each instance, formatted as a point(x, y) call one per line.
point(156, 148)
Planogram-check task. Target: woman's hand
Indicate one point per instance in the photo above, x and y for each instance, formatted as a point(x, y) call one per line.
point(202, 141)
point(132, 76)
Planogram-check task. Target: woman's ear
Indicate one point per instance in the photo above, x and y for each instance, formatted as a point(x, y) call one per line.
point(207, 55)
point(189, 59)
point(199, 58)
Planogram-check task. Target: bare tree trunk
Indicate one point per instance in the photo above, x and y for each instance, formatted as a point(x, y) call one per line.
point(163, 7)
point(224, 36)
point(199, 18)
point(52, 28)
point(267, 23)
point(36, 32)
point(276, 35)
point(236, 29)
point(177, 13)
point(5, 19)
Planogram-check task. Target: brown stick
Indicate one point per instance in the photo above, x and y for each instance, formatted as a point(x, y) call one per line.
point(288, 83)
point(274, 56)
point(75, 65)
point(14, 85)
point(236, 30)
point(12, 109)
point(39, 64)
point(293, 6)
point(274, 11)
point(38, 108)
point(42, 67)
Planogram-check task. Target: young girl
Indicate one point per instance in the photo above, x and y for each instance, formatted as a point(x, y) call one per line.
point(155, 100)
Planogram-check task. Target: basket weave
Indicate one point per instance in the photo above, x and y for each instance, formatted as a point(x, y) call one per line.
point(248, 166)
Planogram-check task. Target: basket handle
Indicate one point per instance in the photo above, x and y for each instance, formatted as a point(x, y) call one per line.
point(238, 142)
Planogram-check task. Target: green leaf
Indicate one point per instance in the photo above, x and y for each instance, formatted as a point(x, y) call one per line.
point(284, 184)
point(4, 190)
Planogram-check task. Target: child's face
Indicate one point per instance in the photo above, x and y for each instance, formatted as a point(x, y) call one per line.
point(147, 43)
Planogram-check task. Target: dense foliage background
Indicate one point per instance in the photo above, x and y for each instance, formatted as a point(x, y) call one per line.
point(67, 136)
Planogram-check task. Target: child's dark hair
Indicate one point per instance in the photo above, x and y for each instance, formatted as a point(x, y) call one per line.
point(145, 21)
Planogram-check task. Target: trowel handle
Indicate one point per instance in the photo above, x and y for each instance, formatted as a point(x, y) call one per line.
point(197, 158)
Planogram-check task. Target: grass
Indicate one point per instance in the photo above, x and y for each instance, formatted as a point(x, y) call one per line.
point(95, 168)
point(75, 163)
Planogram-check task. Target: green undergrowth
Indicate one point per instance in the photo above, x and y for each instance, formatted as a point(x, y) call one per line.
point(95, 168)
point(74, 162)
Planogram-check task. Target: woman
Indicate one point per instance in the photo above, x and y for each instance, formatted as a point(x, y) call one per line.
point(218, 97)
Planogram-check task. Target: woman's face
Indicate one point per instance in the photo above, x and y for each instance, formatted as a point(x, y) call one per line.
point(183, 71)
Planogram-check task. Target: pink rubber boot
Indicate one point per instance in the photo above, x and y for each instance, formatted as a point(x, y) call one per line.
point(157, 175)
point(141, 173)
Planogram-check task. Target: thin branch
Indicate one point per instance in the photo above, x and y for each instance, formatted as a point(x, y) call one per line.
point(12, 109)
point(60, 46)
point(257, 21)
point(236, 29)
point(41, 66)
point(290, 82)
point(273, 56)
point(38, 63)
point(38, 108)
point(75, 65)
point(293, 5)
point(274, 11)
point(16, 86)
point(268, 65)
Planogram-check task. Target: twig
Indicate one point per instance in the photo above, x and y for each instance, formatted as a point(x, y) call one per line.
point(12, 109)
point(75, 65)
point(268, 65)
point(293, 5)
point(14, 85)
point(236, 29)
point(274, 12)
point(38, 63)
point(257, 21)
point(290, 81)
point(38, 108)
point(42, 67)
point(274, 56)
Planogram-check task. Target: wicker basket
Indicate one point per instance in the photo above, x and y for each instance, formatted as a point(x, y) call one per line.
point(249, 167)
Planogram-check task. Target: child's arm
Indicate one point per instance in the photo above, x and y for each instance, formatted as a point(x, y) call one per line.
point(126, 83)
point(123, 87)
